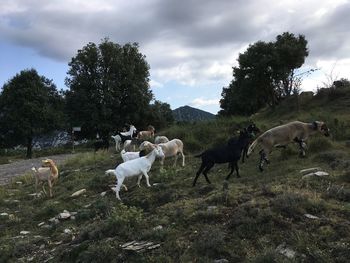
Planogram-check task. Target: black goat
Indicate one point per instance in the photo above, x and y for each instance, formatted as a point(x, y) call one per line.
point(252, 130)
point(229, 153)
point(101, 144)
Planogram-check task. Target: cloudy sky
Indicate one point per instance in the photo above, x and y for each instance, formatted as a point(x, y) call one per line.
point(191, 45)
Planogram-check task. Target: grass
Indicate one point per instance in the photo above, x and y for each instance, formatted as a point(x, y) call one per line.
point(257, 214)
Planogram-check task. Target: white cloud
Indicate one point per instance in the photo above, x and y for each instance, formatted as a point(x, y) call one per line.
point(200, 102)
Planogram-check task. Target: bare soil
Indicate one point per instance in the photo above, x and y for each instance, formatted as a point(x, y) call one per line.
point(17, 168)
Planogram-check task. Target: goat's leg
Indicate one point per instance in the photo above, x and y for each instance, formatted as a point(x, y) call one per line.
point(36, 185)
point(176, 156)
point(50, 187)
point(139, 180)
point(183, 159)
point(237, 169)
point(206, 170)
point(245, 150)
point(231, 165)
point(117, 187)
point(147, 178)
point(263, 159)
point(198, 173)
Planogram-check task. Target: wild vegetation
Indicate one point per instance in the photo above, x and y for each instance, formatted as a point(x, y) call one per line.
point(274, 216)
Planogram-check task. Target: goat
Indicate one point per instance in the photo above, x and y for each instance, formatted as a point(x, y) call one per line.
point(127, 156)
point(170, 148)
point(282, 135)
point(130, 145)
point(146, 134)
point(160, 139)
point(252, 130)
point(48, 173)
point(101, 144)
point(121, 137)
point(136, 167)
point(229, 153)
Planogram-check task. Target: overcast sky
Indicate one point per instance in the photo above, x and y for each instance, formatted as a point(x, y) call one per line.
point(191, 45)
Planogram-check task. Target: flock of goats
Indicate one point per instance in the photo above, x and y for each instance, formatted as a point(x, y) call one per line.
point(139, 163)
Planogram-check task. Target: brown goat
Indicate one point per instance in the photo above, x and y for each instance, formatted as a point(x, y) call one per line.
point(48, 173)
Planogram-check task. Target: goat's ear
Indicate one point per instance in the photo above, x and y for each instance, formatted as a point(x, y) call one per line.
point(314, 125)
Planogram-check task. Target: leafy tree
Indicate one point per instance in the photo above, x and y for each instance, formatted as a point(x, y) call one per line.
point(30, 105)
point(108, 87)
point(265, 74)
point(160, 114)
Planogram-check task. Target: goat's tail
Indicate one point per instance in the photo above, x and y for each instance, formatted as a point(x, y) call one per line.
point(251, 147)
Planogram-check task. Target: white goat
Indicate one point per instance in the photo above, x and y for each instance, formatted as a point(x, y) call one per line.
point(282, 135)
point(127, 156)
point(170, 148)
point(136, 167)
point(48, 173)
point(160, 139)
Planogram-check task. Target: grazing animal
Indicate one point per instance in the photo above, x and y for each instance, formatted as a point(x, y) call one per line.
point(136, 167)
point(101, 144)
point(142, 135)
point(170, 149)
point(121, 137)
point(127, 156)
point(229, 153)
point(282, 135)
point(160, 139)
point(48, 173)
point(252, 130)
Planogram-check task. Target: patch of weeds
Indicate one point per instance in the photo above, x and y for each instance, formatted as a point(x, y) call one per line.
point(268, 256)
point(98, 183)
point(292, 205)
point(338, 192)
point(290, 150)
point(319, 144)
point(330, 157)
point(210, 241)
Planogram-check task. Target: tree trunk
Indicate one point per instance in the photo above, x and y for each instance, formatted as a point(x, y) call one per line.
point(29, 147)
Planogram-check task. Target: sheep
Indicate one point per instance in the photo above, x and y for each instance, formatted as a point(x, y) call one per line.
point(170, 148)
point(127, 156)
point(48, 173)
point(282, 135)
point(136, 167)
point(229, 153)
point(146, 134)
point(160, 139)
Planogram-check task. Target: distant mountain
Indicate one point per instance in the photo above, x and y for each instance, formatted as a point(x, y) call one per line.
point(187, 113)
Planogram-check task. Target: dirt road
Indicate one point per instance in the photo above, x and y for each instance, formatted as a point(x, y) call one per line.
point(8, 171)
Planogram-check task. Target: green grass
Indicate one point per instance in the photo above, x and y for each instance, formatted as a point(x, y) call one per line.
point(246, 223)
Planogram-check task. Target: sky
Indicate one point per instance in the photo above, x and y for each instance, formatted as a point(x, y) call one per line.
point(190, 45)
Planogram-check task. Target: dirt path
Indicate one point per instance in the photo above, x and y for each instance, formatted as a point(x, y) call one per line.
point(8, 171)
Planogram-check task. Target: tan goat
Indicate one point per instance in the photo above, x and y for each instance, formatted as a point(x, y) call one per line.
point(282, 135)
point(48, 173)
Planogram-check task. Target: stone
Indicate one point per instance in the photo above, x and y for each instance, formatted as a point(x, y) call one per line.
point(223, 260)
point(41, 224)
point(23, 232)
point(64, 215)
point(4, 214)
point(287, 252)
point(311, 216)
point(158, 227)
point(310, 170)
point(67, 231)
point(317, 174)
point(103, 193)
point(78, 193)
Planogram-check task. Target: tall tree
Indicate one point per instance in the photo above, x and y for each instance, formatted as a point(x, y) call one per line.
point(265, 74)
point(30, 105)
point(108, 86)
point(160, 114)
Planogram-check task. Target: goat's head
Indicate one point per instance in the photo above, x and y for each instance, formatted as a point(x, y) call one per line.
point(48, 163)
point(322, 127)
point(159, 152)
point(253, 130)
point(146, 145)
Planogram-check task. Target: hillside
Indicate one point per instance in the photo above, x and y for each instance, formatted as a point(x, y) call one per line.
point(274, 216)
point(189, 114)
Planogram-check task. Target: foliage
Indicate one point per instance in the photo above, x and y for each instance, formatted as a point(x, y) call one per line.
point(265, 75)
point(30, 105)
point(108, 87)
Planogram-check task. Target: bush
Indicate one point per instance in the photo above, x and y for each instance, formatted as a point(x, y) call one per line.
point(210, 241)
point(289, 204)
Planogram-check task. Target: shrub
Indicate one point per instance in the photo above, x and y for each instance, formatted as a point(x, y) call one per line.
point(289, 204)
point(210, 241)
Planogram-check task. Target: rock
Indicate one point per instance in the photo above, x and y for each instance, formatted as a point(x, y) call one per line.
point(310, 170)
point(139, 246)
point(223, 260)
point(211, 208)
point(78, 193)
point(4, 214)
point(158, 227)
point(64, 215)
point(287, 252)
point(67, 231)
point(317, 174)
point(41, 224)
point(19, 182)
point(87, 206)
point(311, 216)
point(23, 232)
point(103, 193)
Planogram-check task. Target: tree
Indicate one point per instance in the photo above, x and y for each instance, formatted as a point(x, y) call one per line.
point(30, 105)
point(108, 87)
point(265, 74)
point(160, 114)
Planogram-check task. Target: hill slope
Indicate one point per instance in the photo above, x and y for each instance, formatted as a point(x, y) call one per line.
point(275, 216)
point(188, 114)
